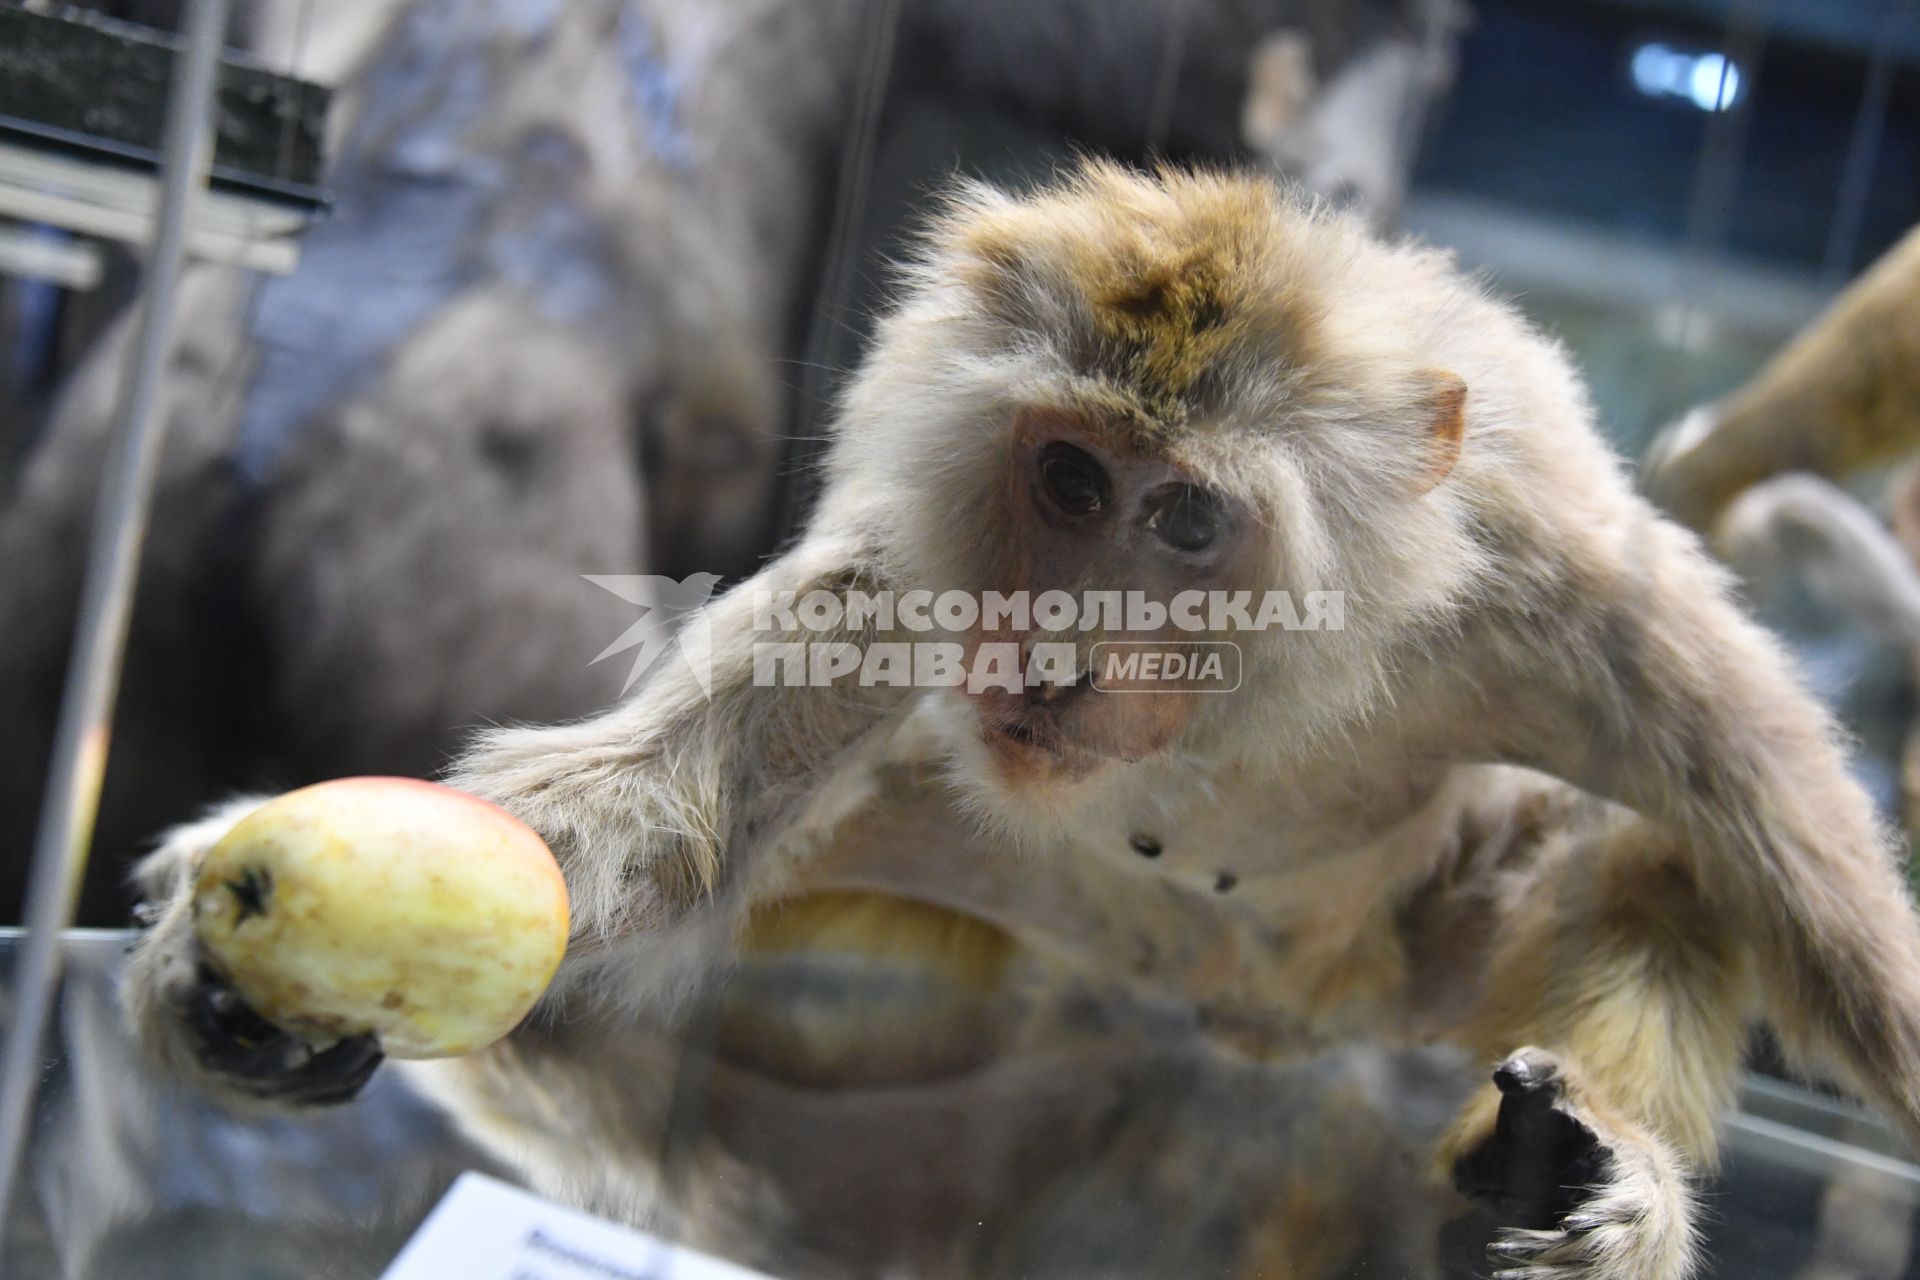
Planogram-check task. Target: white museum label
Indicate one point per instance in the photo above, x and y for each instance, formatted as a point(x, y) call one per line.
point(484, 1229)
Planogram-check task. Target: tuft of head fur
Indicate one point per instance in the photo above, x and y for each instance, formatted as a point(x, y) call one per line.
point(1165, 285)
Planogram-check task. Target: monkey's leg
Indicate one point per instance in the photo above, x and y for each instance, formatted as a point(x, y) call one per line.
point(657, 811)
point(1612, 964)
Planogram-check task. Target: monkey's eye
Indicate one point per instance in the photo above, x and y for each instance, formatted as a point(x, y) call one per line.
point(1073, 480)
point(1186, 517)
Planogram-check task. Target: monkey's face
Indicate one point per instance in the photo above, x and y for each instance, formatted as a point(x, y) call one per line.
point(1130, 391)
point(1126, 534)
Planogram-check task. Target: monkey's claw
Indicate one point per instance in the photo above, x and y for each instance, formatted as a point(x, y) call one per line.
point(260, 1059)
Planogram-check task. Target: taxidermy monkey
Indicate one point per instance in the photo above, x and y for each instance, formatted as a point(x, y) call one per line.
point(1564, 803)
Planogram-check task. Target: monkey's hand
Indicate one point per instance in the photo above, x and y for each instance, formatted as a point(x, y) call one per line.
point(192, 1024)
point(1581, 1196)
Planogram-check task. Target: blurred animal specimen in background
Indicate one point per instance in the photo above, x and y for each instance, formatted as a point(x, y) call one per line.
point(1842, 396)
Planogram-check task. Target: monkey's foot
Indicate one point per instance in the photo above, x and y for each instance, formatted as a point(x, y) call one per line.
point(1581, 1199)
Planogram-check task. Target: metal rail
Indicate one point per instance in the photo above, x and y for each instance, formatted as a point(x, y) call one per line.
point(106, 602)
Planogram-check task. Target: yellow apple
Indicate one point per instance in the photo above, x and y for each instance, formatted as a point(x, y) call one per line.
point(402, 908)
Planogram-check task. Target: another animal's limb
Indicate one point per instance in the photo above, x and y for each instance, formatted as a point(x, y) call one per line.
point(1807, 526)
point(1842, 395)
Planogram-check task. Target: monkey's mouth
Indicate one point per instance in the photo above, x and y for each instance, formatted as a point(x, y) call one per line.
point(1037, 749)
point(1030, 731)
point(1043, 729)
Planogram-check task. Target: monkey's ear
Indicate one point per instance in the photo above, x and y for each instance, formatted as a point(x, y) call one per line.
point(1445, 407)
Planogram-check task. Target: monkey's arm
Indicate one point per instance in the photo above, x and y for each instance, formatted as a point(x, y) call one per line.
point(1634, 675)
point(655, 809)
point(1624, 969)
point(658, 808)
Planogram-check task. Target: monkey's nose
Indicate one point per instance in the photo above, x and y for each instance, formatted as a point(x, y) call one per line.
point(1050, 694)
